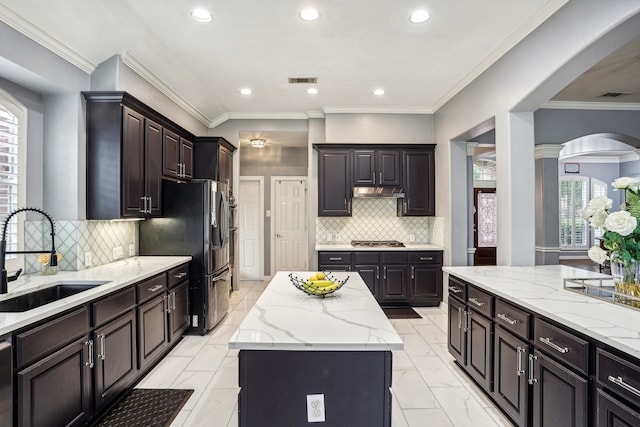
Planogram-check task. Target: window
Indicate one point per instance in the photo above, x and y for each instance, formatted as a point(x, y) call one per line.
point(575, 193)
point(12, 170)
point(484, 170)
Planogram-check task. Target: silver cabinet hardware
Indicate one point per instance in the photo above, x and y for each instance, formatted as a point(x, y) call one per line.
point(144, 205)
point(103, 344)
point(454, 290)
point(378, 272)
point(476, 302)
point(380, 178)
point(167, 301)
point(349, 207)
point(373, 174)
point(553, 345)
point(172, 301)
point(459, 318)
point(180, 275)
point(89, 363)
point(426, 258)
point(413, 272)
point(335, 258)
point(155, 288)
point(506, 319)
point(619, 381)
point(150, 205)
point(384, 273)
point(519, 370)
point(532, 358)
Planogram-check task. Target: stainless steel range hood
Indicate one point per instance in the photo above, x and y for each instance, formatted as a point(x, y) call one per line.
point(378, 192)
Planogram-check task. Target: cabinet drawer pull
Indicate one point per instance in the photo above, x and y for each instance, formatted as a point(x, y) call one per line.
point(413, 272)
point(426, 258)
point(619, 381)
point(459, 318)
point(155, 288)
point(144, 205)
point(553, 345)
point(466, 321)
point(103, 350)
point(532, 358)
point(476, 302)
point(374, 177)
point(378, 272)
point(335, 259)
point(150, 205)
point(180, 275)
point(519, 370)
point(89, 363)
point(506, 319)
point(454, 290)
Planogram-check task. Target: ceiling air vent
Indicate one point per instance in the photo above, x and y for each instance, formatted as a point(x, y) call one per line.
point(614, 94)
point(296, 80)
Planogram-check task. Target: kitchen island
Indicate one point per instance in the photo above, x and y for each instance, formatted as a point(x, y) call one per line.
point(293, 345)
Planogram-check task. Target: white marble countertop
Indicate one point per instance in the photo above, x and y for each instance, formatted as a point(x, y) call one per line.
point(540, 288)
point(349, 247)
point(119, 274)
point(286, 318)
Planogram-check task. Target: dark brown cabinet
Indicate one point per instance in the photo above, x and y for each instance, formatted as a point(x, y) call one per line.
point(376, 168)
point(177, 158)
point(226, 165)
point(368, 265)
point(334, 183)
point(618, 390)
point(425, 278)
point(394, 281)
point(418, 168)
point(152, 330)
point(614, 413)
point(213, 159)
point(457, 331)
point(178, 302)
point(334, 261)
point(510, 386)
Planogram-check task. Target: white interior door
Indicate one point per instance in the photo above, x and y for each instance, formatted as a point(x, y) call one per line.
point(250, 208)
point(289, 223)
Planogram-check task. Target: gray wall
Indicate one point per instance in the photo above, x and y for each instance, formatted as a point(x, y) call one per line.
point(630, 168)
point(267, 162)
point(379, 128)
point(559, 126)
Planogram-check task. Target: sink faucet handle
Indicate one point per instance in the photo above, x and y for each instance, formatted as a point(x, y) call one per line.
point(14, 276)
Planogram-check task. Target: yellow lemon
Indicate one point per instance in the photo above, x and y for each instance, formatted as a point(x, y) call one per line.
point(313, 278)
point(320, 275)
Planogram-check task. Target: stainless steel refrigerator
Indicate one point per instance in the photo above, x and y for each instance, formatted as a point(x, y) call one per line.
point(195, 221)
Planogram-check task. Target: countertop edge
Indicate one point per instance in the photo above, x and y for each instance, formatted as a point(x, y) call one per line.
point(351, 248)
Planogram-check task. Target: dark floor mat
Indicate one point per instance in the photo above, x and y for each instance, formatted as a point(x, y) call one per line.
point(401, 313)
point(146, 407)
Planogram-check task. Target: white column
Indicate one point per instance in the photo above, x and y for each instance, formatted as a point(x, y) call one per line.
point(547, 204)
point(515, 188)
point(471, 148)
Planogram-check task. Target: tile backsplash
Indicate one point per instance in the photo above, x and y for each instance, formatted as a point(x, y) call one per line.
point(376, 219)
point(75, 238)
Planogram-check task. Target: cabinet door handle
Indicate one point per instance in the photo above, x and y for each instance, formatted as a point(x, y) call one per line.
point(532, 358)
point(384, 273)
point(155, 288)
point(454, 290)
point(476, 302)
point(413, 272)
point(459, 318)
point(619, 381)
point(553, 345)
point(374, 177)
point(150, 205)
point(380, 178)
point(378, 272)
point(103, 349)
point(173, 299)
point(519, 370)
point(89, 363)
point(426, 258)
point(506, 319)
point(167, 301)
point(144, 205)
point(349, 206)
point(180, 275)
point(405, 205)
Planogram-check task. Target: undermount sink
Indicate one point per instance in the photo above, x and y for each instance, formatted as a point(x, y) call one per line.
point(44, 296)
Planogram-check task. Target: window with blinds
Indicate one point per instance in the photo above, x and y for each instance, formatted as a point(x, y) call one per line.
point(9, 172)
point(598, 189)
point(575, 193)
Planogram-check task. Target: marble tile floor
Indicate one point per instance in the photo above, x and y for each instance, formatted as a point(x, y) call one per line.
point(428, 388)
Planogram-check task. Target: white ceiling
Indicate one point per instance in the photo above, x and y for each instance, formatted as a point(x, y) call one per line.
point(355, 47)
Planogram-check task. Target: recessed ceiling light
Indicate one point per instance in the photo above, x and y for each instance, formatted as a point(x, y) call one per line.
point(309, 14)
point(419, 16)
point(378, 92)
point(201, 15)
point(312, 91)
point(246, 91)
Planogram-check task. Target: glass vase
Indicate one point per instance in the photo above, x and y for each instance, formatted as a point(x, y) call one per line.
point(626, 277)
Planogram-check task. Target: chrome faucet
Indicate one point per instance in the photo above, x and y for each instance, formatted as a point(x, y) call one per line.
point(53, 258)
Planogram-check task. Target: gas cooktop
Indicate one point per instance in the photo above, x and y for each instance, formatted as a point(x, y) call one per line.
point(377, 243)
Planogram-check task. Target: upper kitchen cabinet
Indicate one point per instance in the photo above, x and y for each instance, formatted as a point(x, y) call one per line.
point(125, 146)
point(213, 159)
point(177, 157)
point(334, 182)
point(418, 182)
point(376, 168)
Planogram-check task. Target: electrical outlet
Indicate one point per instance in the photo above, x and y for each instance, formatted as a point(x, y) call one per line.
point(338, 237)
point(315, 408)
point(88, 259)
point(117, 252)
point(132, 249)
point(329, 237)
point(412, 237)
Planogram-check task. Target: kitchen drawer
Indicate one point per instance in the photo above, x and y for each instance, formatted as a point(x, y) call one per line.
point(480, 301)
point(334, 258)
point(562, 345)
point(113, 305)
point(513, 319)
point(394, 258)
point(365, 258)
point(434, 257)
point(457, 288)
point(619, 375)
point(152, 287)
point(178, 275)
point(39, 342)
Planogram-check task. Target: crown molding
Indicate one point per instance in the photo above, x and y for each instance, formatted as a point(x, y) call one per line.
point(155, 81)
point(264, 116)
point(567, 105)
point(547, 151)
point(592, 159)
point(31, 31)
point(377, 110)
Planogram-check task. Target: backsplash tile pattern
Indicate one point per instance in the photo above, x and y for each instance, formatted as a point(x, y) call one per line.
point(376, 219)
point(74, 238)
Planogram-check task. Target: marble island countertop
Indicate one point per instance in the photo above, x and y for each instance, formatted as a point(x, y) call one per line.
point(540, 289)
point(118, 275)
point(350, 247)
point(286, 318)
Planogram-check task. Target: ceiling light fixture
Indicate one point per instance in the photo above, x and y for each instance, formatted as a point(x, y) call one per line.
point(312, 91)
point(246, 91)
point(378, 92)
point(419, 16)
point(201, 15)
point(309, 14)
point(257, 143)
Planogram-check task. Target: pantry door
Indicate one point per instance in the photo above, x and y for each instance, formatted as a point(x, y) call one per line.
point(250, 227)
point(289, 224)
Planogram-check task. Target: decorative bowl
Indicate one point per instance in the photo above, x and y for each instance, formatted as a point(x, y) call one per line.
point(308, 288)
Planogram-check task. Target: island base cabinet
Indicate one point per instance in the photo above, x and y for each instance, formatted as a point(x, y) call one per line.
point(457, 331)
point(56, 391)
point(274, 386)
point(510, 386)
point(479, 349)
point(613, 413)
point(559, 395)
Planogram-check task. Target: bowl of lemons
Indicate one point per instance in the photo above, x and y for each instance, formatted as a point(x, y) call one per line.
point(319, 284)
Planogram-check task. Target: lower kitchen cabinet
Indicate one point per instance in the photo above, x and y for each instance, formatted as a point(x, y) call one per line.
point(57, 390)
point(395, 286)
point(178, 302)
point(614, 413)
point(152, 330)
point(479, 349)
point(618, 390)
point(425, 284)
point(457, 328)
point(510, 385)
